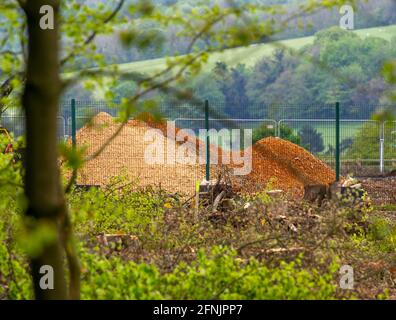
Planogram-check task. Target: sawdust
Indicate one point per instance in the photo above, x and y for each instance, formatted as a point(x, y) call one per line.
point(124, 155)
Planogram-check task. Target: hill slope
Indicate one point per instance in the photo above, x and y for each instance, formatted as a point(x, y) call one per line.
point(251, 54)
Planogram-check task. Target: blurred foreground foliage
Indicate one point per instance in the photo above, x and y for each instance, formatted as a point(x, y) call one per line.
point(146, 244)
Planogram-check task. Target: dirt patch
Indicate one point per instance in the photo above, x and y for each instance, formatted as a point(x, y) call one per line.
point(380, 190)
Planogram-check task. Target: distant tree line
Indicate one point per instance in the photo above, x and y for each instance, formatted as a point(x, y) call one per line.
point(338, 67)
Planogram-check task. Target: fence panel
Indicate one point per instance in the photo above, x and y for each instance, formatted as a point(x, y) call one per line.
point(315, 135)
point(229, 141)
point(359, 142)
point(16, 125)
point(390, 146)
point(367, 147)
point(360, 147)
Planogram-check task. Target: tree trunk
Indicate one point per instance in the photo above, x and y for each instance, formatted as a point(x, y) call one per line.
point(46, 204)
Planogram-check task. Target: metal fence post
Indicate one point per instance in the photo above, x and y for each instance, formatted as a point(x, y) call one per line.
point(207, 140)
point(337, 151)
point(382, 147)
point(73, 119)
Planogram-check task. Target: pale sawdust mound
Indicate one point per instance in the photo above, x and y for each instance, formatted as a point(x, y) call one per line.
point(125, 156)
point(288, 165)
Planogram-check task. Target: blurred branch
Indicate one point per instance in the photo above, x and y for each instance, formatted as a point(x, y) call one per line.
point(93, 35)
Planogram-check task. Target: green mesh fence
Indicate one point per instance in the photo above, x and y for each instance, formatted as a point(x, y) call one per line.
point(367, 147)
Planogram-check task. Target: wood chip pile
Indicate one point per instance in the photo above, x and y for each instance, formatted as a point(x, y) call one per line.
point(290, 165)
point(125, 156)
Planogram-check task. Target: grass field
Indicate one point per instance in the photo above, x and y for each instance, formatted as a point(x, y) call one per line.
point(251, 54)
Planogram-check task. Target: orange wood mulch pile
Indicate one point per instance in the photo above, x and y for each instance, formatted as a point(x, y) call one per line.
point(290, 167)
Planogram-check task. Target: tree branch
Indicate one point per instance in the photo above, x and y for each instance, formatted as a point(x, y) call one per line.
point(92, 36)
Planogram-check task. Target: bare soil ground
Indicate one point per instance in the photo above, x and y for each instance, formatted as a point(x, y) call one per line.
point(382, 190)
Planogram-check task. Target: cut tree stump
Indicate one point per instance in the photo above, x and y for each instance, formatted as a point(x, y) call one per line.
point(317, 193)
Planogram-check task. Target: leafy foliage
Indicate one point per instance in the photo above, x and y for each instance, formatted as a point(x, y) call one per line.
point(113, 211)
point(170, 253)
point(219, 275)
point(14, 279)
point(383, 234)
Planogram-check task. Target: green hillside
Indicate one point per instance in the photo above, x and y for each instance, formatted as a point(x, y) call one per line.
point(251, 54)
